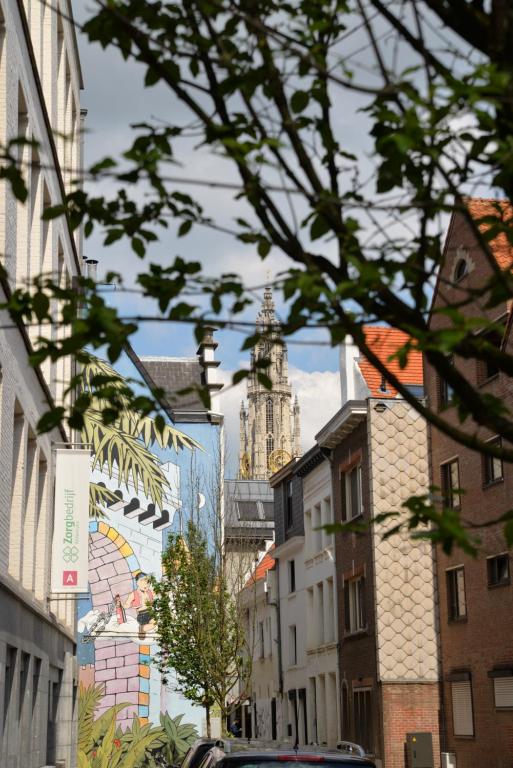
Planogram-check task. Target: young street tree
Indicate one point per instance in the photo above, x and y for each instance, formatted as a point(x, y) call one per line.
point(279, 90)
point(200, 631)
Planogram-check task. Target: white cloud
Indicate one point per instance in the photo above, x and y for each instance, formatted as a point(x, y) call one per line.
point(319, 399)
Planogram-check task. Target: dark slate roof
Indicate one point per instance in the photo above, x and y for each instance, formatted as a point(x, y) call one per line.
point(173, 374)
point(249, 510)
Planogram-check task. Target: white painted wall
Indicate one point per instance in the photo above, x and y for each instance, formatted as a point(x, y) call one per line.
point(27, 247)
point(321, 610)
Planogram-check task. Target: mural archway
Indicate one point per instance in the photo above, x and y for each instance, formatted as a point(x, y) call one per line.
point(121, 656)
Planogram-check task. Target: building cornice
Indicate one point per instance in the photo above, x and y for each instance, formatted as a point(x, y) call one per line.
point(342, 424)
point(288, 546)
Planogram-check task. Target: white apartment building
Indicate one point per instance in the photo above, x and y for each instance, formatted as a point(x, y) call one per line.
point(321, 608)
point(260, 716)
point(40, 81)
point(307, 596)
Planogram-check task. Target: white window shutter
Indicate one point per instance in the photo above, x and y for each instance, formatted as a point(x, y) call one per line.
point(503, 690)
point(462, 717)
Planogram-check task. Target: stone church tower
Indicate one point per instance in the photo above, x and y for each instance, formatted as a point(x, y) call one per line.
point(269, 422)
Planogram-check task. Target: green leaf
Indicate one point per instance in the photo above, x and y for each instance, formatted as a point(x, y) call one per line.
point(184, 227)
point(263, 248)
point(41, 305)
point(299, 101)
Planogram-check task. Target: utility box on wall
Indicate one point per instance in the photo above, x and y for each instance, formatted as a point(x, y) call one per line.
point(419, 750)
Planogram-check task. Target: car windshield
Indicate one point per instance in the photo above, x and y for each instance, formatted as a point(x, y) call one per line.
point(195, 755)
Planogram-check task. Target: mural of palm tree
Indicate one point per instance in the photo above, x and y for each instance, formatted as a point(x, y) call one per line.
point(121, 447)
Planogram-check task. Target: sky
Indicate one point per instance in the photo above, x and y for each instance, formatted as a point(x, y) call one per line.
point(115, 98)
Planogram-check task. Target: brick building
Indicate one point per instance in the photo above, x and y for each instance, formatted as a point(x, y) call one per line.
point(388, 650)
point(40, 82)
point(476, 596)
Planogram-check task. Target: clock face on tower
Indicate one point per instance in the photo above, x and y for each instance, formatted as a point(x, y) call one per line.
point(245, 466)
point(278, 459)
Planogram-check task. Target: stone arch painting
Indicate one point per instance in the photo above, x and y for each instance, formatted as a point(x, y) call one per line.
point(121, 657)
point(134, 494)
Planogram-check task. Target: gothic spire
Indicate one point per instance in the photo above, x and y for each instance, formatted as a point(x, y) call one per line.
point(266, 316)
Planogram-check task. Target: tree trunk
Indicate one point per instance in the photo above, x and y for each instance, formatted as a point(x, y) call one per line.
point(209, 727)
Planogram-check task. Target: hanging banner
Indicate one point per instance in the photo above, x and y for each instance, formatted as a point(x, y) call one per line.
point(71, 521)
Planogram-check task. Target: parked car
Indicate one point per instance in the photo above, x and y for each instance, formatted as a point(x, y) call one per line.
point(218, 757)
point(197, 752)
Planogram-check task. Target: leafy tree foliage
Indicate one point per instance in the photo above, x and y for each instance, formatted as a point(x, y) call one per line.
point(275, 88)
point(199, 627)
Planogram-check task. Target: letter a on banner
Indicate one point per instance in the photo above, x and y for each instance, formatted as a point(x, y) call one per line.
point(71, 521)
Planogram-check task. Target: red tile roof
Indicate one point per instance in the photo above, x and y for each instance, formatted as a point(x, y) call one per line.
point(479, 208)
point(265, 564)
point(384, 342)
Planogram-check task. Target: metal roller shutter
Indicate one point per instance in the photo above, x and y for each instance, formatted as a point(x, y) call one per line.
point(462, 717)
point(503, 689)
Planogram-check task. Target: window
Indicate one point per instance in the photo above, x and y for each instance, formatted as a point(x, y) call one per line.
point(462, 714)
point(292, 575)
point(487, 368)
point(352, 493)
point(288, 502)
point(269, 420)
point(461, 270)
point(24, 671)
point(362, 714)
point(346, 715)
point(292, 645)
point(36, 674)
point(354, 605)
point(493, 470)
point(261, 639)
point(502, 688)
point(457, 603)
point(450, 484)
point(10, 663)
point(269, 446)
point(498, 570)
point(445, 391)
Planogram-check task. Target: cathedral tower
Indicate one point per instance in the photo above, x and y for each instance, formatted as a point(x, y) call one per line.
point(269, 422)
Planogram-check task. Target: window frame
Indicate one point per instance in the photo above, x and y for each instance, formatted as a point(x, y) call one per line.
point(289, 511)
point(355, 617)
point(347, 497)
point(504, 676)
point(453, 594)
point(292, 576)
point(445, 391)
point(468, 685)
point(362, 735)
point(450, 493)
point(261, 640)
point(489, 477)
point(483, 373)
point(504, 582)
point(293, 645)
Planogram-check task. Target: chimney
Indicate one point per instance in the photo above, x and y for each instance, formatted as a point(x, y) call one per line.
point(348, 355)
point(206, 354)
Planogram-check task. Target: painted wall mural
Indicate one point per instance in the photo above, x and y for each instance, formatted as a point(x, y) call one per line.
point(134, 500)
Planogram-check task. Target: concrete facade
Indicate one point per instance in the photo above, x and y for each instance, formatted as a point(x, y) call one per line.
point(39, 94)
